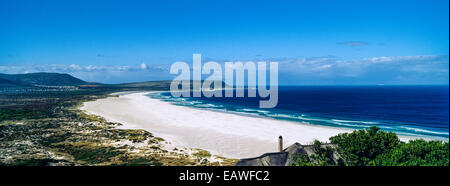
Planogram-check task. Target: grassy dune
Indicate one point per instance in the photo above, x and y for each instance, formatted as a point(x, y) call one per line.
point(39, 129)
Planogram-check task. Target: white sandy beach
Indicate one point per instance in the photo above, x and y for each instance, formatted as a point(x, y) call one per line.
point(224, 134)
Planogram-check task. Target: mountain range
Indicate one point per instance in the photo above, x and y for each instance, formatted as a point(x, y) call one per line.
point(59, 80)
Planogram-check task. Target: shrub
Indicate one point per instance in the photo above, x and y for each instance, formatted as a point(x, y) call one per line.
point(302, 160)
point(361, 147)
point(323, 156)
point(416, 153)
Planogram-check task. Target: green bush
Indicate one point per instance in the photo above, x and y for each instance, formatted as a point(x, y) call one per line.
point(361, 147)
point(33, 162)
point(20, 114)
point(416, 153)
point(141, 162)
point(373, 147)
point(88, 152)
point(303, 160)
point(323, 156)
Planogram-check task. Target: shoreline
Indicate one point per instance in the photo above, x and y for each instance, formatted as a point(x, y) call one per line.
point(220, 133)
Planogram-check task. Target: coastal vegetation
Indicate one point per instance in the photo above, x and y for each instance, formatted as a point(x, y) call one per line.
point(42, 127)
point(374, 147)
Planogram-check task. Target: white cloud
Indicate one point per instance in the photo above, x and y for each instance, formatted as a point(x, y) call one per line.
point(426, 69)
point(422, 69)
point(143, 65)
point(76, 67)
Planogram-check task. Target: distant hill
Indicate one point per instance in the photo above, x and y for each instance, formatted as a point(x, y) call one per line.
point(45, 81)
point(42, 79)
point(4, 83)
point(7, 83)
point(163, 85)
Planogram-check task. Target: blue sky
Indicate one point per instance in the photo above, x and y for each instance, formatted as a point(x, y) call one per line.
point(315, 42)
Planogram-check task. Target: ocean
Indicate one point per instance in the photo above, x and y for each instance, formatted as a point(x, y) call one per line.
point(405, 110)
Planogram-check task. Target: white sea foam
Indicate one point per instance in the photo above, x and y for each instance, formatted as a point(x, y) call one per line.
point(349, 121)
point(423, 130)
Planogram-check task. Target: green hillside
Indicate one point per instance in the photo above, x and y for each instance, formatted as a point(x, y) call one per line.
point(42, 78)
point(4, 83)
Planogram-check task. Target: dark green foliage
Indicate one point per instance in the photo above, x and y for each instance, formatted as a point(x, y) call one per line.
point(323, 156)
point(361, 147)
point(136, 136)
point(42, 78)
point(44, 103)
point(416, 153)
point(4, 83)
point(33, 162)
point(142, 162)
point(19, 114)
point(373, 147)
point(89, 153)
point(303, 160)
point(56, 137)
